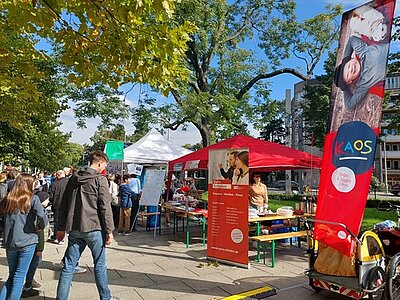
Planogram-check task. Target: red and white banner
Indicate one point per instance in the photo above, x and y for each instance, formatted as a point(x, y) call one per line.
point(354, 120)
point(228, 189)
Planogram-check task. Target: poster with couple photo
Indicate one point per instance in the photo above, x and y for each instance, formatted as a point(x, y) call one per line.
point(228, 190)
point(229, 165)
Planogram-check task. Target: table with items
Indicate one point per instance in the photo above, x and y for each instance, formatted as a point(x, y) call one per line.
point(187, 208)
point(263, 234)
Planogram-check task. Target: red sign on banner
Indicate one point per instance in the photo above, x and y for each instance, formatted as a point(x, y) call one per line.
point(227, 232)
point(356, 106)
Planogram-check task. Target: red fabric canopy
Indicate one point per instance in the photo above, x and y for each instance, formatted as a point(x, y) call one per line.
point(263, 155)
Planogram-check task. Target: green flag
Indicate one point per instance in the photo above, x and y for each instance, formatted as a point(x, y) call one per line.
point(114, 150)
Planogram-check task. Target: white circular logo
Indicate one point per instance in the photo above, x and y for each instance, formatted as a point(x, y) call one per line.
point(342, 235)
point(237, 236)
point(343, 179)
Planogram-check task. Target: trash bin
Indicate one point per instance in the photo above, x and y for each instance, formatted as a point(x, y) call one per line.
point(151, 220)
point(282, 230)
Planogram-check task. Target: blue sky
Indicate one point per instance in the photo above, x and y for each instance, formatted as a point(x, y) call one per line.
point(305, 9)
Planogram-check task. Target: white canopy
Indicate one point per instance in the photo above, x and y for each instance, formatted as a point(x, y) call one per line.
point(153, 148)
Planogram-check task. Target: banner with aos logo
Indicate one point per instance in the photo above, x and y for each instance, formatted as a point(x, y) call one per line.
point(228, 188)
point(354, 120)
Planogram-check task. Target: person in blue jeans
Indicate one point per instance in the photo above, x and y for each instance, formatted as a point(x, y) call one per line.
point(85, 212)
point(24, 214)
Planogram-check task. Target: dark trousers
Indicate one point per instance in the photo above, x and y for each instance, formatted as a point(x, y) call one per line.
point(55, 224)
point(115, 211)
point(135, 209)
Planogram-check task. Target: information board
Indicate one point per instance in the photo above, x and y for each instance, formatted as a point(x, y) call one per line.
point(227, 235)
point(153, 184)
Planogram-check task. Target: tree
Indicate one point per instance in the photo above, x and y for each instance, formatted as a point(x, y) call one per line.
point(216, 99)
point(113, 41)
point(271, 121)
point(316, 104)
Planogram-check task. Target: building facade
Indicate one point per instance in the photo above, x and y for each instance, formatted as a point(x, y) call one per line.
point(298, 135)
point(387, 158)
point(387, 161)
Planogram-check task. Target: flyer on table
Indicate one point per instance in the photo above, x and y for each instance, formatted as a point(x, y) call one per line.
point(228, 188)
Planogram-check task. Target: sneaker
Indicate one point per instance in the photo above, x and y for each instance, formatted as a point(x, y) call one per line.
point(79, 270)
point(120, 231)
point(36, 284)
point(30, 293)
point(115, 298)
point(127, 233)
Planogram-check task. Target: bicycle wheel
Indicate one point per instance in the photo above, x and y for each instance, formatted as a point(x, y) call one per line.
point(393, 278)
point(376, 278)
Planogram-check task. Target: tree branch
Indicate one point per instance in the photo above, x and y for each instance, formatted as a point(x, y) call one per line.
point(65, 23)
point(176, 124)
point(252, 82)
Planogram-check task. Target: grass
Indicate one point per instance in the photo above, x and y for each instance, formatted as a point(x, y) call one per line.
point(371, 215)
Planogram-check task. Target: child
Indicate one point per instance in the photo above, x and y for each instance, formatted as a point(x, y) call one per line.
point(21, 209)
point(126, 195)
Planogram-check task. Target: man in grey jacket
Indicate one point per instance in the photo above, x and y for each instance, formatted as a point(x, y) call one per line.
point(362, 67)
point(85, 213)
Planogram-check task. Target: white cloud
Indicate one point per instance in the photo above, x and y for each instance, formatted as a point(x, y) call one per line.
point(180, 138)
point(80, 136)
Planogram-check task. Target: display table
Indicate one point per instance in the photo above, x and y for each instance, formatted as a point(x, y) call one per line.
point(275, 217)
point(188, 214)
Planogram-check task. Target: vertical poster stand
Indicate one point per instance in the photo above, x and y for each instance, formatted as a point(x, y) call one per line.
point(151, 192)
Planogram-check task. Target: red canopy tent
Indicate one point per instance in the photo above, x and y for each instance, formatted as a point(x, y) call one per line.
point(263, 156)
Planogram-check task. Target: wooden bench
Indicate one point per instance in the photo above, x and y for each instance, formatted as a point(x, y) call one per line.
point(263, 239)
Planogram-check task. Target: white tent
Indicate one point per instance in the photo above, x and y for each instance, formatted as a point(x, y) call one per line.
point(153, 148)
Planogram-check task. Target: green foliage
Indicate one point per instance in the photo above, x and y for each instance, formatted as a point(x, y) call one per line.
point(316, 104)
point(143, 116)
point(101, 136)
point(215, 98)
point(394, 58)
point(375, 183)
point(39, 145)
point(194, 147)
point(100, 101)
point(112, 41)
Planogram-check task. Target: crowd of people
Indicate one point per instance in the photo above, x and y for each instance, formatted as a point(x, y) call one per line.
point(85, 203)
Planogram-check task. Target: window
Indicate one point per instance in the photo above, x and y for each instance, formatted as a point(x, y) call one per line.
point(388, 147)
point(388, 164)
point(373, 246)
point(395, 147)
point(395, 164)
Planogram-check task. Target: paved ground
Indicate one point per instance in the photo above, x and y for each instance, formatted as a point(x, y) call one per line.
point(141, 266)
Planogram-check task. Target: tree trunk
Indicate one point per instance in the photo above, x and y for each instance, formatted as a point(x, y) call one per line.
point(205, 133)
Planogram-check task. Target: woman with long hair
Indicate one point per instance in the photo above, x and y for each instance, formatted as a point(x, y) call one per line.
point(24, 214)
point(241, 173)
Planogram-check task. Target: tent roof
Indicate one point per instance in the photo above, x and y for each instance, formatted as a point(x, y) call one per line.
point(153, 148)
point(263, 155)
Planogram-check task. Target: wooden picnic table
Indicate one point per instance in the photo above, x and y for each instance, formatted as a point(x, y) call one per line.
point(273, 236)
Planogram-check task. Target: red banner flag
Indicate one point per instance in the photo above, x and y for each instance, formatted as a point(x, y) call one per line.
point(356, 107)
